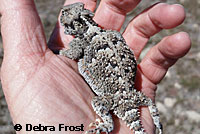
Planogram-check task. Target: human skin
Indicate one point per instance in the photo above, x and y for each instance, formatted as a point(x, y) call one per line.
point(44, 88)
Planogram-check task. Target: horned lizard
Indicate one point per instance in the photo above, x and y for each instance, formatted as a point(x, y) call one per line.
point(109, 67)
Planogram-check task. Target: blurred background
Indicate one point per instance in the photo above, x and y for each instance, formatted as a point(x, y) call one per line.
point(178, 95)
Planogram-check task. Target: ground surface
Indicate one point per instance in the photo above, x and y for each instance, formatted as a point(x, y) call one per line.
point(178, 95)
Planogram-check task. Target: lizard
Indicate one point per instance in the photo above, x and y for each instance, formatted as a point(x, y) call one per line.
point(109, 67)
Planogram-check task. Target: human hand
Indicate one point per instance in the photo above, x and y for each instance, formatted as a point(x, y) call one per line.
point(44, 88)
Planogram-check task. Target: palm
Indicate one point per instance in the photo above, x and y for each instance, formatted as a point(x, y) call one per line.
point(60, 92)
point(44, 88)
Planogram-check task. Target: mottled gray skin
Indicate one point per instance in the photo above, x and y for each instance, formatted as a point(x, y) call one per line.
point(109, 67)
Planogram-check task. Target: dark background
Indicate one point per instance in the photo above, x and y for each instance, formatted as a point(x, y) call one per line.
point(178, 95)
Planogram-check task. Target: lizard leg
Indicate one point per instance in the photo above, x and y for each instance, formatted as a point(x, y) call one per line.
point(72, 53)
point(131, 116)
point(102, 106)
point(75, 51)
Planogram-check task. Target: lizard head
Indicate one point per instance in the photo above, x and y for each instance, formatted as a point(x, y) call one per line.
point(72, 19)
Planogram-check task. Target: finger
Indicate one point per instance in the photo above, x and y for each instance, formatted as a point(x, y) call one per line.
point(111, 13)
point(22, 30)
point(155, 65)
point(158, 17)
point(58, 39)
point(162, 56)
